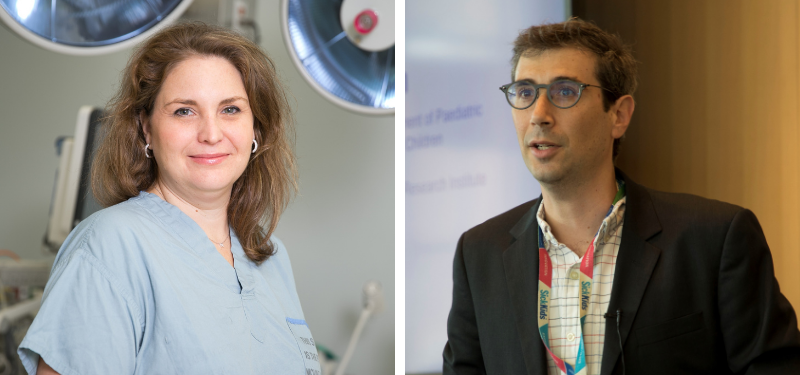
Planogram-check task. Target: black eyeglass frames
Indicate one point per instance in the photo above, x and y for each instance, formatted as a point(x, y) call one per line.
point(562, 93)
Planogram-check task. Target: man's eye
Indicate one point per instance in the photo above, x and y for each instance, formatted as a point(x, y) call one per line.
point(526, 93)
point(183, 112)
point(230, 110)
point(565, 91)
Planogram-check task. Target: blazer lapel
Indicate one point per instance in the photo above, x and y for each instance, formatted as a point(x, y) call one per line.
point(521, 263)
point(635, 263)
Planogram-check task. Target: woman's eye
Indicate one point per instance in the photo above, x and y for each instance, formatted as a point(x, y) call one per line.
point(230, 110)
point(183, 112)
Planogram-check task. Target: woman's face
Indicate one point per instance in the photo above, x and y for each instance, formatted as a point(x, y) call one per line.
point(201, 127)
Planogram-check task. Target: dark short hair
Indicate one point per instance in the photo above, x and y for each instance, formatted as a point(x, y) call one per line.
point(615, 67)
point(120, 169)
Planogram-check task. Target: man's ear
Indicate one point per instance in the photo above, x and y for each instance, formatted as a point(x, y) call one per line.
point(621, 112)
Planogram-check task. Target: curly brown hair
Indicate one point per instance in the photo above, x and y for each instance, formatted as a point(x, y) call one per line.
point(260, 195)
point(615, 67)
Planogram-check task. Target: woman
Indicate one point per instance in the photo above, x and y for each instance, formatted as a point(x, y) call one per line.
point(180, 274)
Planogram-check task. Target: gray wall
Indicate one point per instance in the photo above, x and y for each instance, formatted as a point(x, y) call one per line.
point(339, 231)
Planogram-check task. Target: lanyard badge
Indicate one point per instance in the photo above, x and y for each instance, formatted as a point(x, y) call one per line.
point(545, 285)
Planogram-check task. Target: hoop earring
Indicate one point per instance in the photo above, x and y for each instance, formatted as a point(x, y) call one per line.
point(255, 146)
point(145, 151)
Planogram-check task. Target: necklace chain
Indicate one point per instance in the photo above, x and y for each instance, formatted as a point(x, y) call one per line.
point(220, 244)
point(176, 196)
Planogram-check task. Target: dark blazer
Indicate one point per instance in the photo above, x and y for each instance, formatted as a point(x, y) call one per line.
point(694, 280)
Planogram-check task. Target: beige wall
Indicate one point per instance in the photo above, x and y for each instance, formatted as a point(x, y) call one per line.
point(717, 107)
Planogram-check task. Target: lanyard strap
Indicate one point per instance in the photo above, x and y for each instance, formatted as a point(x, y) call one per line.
point(586, 275)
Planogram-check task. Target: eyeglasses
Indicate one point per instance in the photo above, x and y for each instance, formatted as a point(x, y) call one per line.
point(563, 93)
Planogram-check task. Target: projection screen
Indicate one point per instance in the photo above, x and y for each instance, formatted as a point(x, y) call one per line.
point(463, 162)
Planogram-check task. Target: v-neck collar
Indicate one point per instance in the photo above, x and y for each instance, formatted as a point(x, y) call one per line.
point(185, 228)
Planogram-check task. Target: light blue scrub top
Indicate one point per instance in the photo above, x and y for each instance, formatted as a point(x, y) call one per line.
point(138, 288)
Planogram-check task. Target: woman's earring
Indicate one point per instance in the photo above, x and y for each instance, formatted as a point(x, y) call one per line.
point(255, 146)
point(145, 151)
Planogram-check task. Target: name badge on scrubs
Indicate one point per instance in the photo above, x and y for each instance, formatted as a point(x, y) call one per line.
point(308, 350)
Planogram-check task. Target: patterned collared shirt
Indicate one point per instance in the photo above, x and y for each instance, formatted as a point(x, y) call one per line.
point(564, 327)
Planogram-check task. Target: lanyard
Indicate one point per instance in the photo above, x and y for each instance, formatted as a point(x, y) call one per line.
point(545, 282)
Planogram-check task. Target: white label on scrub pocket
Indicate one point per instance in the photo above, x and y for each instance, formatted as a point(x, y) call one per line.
point(308, 350)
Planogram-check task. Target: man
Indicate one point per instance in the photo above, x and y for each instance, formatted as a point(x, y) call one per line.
point(601, 275)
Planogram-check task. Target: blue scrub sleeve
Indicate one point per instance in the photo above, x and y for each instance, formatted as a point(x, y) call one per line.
point(87, 323)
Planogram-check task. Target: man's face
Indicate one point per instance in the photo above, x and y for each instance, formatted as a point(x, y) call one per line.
point(565, 144)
